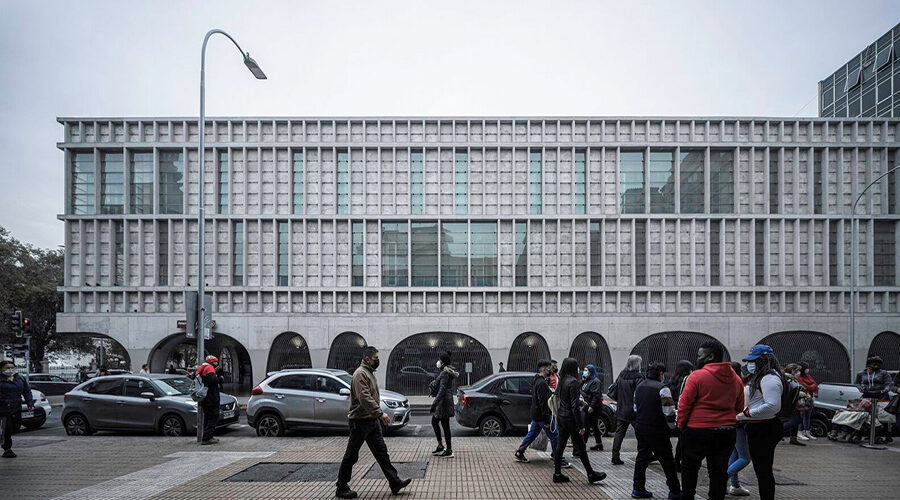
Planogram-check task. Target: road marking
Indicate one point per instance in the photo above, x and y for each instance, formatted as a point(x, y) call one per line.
point(145, 483)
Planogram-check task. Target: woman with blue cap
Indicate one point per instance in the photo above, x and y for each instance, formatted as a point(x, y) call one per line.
point(763, 427)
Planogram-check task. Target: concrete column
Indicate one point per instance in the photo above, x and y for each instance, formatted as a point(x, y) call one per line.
point(139, 357)
point(258, 360)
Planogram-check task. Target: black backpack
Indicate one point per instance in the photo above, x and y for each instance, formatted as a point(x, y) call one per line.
point(790, 394)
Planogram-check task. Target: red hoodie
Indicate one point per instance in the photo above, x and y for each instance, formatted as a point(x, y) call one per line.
point(712, 397)
point(809, 384)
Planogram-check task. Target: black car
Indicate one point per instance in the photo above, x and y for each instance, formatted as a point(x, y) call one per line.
point(50, 385)
point(502, 401)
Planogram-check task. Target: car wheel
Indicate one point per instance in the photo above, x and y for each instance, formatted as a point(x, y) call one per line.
point(603, 425)
point(172, 426)
point(818, 428)
point(77, 425)
point(492, 426)
point(269, 425)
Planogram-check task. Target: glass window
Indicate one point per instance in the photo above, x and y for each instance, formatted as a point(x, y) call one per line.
point(817, 182)
point(852, 79)
point(394, 253)
point(721, 182)
point(171, 182)
point(83, 183)
point(579, 182)
point(417, 182)
point(223, 182)
point(283, 241)
point(119, 253)
point(461, 183)
point(237, 274)
point(833, 253)
point(343, 182)
point(454, 254)
point(521, 255)
point(714, 253)
point(424, 254)
point(162, 254)
point(596, 255)
point(759, 245)
point(108, 387)
point(298, 182)
point(134, 387)
point(112, 182)
point(640, 253)
point(662, 182)
point(484, 254)
point(885, 251)
point(174, 386)
point(774, 187)
point(692, 182)
point(883, 57)
point(534, 183)
point(516, 385)
point(329, 385)
point(631, 181)
point(358, 254)
point(142, 182)
point(296, 382)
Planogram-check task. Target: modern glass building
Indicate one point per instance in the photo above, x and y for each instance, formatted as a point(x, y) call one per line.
point(865, 85)
point(500, 239)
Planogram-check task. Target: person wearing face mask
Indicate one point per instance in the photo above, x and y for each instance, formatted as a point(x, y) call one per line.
point(760, 417)
point(553, 378)
point(792, 426)
point(540, 415)
point(874, 382)
point(623, 392)
point(442, 408)
point(812, 389)
point(592, 393)
point(208, 373)
point(13, 388)
point(653, 406)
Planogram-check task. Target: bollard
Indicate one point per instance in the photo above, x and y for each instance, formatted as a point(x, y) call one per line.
point(874, 411)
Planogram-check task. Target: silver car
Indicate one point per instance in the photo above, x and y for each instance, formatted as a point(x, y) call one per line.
point(41, 412)
point(312, 399)
point(153, 402)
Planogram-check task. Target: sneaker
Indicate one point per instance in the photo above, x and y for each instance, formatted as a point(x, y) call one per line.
point(520, 457)
point(641, 494)
point(9, 454)
point(448, 453)
point(597, 447)
point(565, 464)
point(617, 461)
point(596, 477)
point(802, 436)
point(795, 442)
point(738, 491)
point(395, 488)
point(345, 492)
point(576, 454)
point(210, 441)
point(809, 436)
point(438, 450)
point(560, 478)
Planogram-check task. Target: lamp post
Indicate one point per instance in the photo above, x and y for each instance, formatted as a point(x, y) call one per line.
point(204, 316)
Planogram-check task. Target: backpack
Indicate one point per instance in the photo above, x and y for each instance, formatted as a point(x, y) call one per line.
point(434, 386)
point(790, 394)
point(198, 389)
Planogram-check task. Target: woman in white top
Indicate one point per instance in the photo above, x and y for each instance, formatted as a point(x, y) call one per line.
point(763, 427)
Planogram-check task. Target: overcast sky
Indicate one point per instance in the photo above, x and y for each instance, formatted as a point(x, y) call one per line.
point(120, 58)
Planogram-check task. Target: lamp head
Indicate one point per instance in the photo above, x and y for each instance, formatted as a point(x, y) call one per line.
point(253, 67)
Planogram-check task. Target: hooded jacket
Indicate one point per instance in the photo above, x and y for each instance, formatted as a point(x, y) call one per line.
point(213, 383)
point(12, 392)
point(442, 407)
point(626, 384)
point(712, 397)
point(592, 389)
point(365, 400)
point(540, 394)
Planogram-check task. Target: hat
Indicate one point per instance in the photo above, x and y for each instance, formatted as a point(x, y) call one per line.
point(211, 359)
point(445, 358)
point(757, 351)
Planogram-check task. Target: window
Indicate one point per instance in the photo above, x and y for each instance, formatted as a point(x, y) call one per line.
point(329, 385)
point(892, 185)
point(484, 254)
point(343, 182)
point(171, 182)
point(223, 182)
point(640, 253)
point(461, 183)
point(883, 57)
point(142, 183)
point(759, 245)
point(714, 253)
point(112, 182)
point(833, 253)
point(631, 182)
point(417, 182)
point(818, 181)
point(134, 387)
point(295, 382)
point(83, 183)
point(721, 182)
point(119, 253)
point(237, 273)
point(284, 237)
point(516, 385)
point(521, 256)
point(579, 182)
point(534, 183)
point(454, 254)
point(692, 182)
point(424, 254)
point(853, 79)
point(394, 253)
point(106, 387)
point(596, 255)
point(662, 182)
point(162, 253)
point(774, 186)
point(884, 252)
point(298, 182)
point(357, 253)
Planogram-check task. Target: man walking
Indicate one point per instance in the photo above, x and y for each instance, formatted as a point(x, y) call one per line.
point(623, 393)
point(366, 420)
point(540, 414)
point(712, 397)
point(209, 405)
point(653, 405)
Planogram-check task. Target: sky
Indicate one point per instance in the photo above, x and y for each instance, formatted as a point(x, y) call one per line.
point(386, 58)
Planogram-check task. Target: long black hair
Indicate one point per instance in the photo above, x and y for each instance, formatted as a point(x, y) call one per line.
point(569, 368)
point(766, 364)
point(682, 370)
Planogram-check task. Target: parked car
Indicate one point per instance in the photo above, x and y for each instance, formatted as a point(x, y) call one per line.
point(51, 385)
point(832, 397)
point(312, 399)
point(114, 371)
point(42, 409)
point(502, 401)
point(154, 402)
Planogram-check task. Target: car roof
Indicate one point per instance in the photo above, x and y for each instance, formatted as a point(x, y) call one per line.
point(308, 371)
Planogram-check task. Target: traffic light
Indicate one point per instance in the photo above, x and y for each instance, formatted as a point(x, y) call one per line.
point(15, 323)
point(26, 327)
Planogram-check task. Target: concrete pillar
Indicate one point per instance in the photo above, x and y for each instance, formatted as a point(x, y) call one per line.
point(141, 356)
point(258, 360)
point(319, 357)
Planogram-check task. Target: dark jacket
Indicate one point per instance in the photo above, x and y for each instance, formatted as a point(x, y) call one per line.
point(442, 407)
point(873, 384)
point(213, 383)
point(540, 393)
point(570, 401)
point(365, 400)
point(649, 416)
point(592, 392)
point(625, 387)
point(12, 392)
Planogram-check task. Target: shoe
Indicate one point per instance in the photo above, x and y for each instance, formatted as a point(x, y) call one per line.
point(617, 461)
point(560, 478)
point(210, 441)
point(738, 491)
point(673, 496)
point(809, 436)
point(795, 442)
point(597, 447)
point(641, 494)
point(395, 488)
point(576, 454)
point(438, 450)
point(564, 464)
point(345, 492)
point(596, 477)
point(448, 453)
point(520, 457)
point(802, 436)
point(9, 454)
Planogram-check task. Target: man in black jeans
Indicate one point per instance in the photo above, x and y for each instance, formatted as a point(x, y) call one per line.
point(209, 375)
point(654, 404)
point(366, 419)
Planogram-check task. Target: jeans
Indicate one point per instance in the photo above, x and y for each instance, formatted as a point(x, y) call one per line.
point(621, 429)
point(590, 425)
point(715, 445)
point(804, 419)
point(740, 457)
point(210, 420)
point(436, 424)
point(367, 430)
point(567, 429)
point(534, 430)
point(762, 438)
point(652, 441)
point(11, 422)
point(792, 425)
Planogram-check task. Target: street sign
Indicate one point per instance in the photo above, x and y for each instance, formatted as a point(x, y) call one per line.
point(468, 367)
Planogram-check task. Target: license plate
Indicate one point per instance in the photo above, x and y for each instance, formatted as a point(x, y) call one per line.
point(228, 414)
point(27, 414)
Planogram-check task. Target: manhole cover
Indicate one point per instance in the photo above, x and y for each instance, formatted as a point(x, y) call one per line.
point(413, 470)
point(274, 472)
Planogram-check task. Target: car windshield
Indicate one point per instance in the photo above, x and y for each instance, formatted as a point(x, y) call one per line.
point(347, 379)
point(174, 386)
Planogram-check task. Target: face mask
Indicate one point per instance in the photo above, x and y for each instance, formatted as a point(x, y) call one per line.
point(9, 372)
point(796, 374)
point(585, 374)
point(438, 364)
point(554, 369)
point(745, 370)
point(751, 368)
point(375, 364)
point(806, 372)
point(700, 362)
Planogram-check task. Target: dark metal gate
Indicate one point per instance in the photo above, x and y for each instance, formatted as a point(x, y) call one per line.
point(669, 348)
point(827, 358)
point(289, 350)
point(412, 363)
point(887, 346)
point(346, 351)
point(526, 351)
point(591, 348)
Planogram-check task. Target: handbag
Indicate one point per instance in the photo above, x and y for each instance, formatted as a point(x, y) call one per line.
point(541, 441)
point(893, 407)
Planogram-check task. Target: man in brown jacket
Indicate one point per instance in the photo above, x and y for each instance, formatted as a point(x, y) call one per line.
point(366, 420)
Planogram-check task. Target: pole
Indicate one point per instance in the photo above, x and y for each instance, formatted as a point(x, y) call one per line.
point(28, 354)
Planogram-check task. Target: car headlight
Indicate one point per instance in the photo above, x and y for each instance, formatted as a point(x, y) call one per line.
point(392, 403)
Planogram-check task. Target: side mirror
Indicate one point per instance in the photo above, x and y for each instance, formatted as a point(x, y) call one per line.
point(148, 395)
point(344, 392)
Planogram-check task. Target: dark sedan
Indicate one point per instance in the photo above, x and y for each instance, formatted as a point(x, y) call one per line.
point(501, 402)
point(154, 402)
point(50, 385)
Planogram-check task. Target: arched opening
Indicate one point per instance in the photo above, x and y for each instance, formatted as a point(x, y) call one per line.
point(590, 348)
point(828, 360)
point(526, 350)
point(346, 351)
point(411, 366)
point(887, 346)
point(178, 354)
point(69, 351)
point(669, 348)
point(289, 350)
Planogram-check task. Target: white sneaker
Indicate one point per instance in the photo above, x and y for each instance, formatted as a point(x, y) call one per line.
point(738, 491)
point(801, 437)
point(810, 436)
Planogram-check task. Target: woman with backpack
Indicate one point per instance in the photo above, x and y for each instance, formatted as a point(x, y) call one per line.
point(568, 414)
point(792, 374)
point(442, 408)
point(592, 393)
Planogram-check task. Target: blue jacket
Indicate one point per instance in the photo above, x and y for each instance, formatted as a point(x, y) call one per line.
point(13, 391)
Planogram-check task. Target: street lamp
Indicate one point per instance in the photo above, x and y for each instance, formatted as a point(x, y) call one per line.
point(204, 315)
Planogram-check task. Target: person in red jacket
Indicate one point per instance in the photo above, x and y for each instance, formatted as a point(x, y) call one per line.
point(209, 374)
point(712, 397)
point(812, 388)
